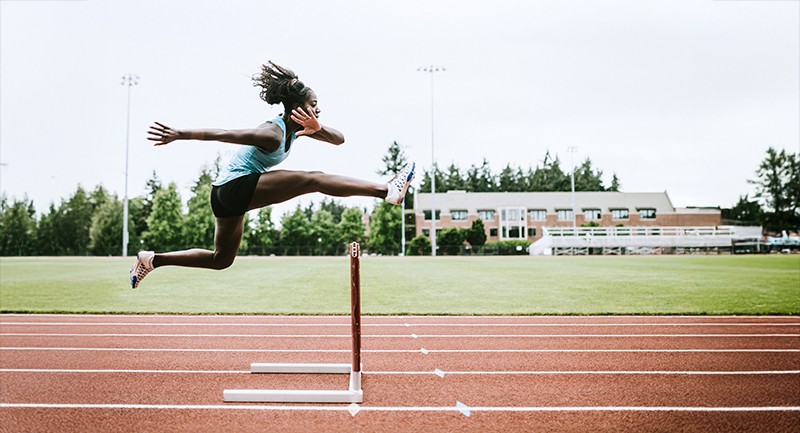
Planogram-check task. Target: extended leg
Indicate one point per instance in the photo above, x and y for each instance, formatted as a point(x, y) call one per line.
point(281, 185)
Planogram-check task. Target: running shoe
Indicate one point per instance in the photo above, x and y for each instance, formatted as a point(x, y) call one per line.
point(399, 184)
point(142, 267)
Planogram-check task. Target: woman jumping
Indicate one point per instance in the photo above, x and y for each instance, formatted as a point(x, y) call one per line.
point(248, 182)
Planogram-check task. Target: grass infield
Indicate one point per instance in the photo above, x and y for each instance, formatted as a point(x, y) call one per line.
point(518, 285)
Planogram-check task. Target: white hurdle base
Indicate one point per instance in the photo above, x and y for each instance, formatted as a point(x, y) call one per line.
point(300, 368)
point(354, 395)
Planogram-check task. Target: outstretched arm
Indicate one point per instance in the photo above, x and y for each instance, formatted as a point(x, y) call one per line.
point(267, 137)
point(312, 128)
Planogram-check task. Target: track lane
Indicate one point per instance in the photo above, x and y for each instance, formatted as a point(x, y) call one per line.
point(245, 421)
point(413, 360)
point(535, 393)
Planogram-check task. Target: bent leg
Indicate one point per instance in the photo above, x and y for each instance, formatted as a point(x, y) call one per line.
point(227, 237)
point(281, 185)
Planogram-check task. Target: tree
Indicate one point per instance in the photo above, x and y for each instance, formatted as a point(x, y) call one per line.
point(153, 187)
point(587, 178)
point(507, 180)
point(139, 209)
point(137, 224)
point(296, 233)
point(70, 225)
point(17, 228)
point(384, 229)
point(776, 187)
point(420, 245)
point(334, 207)
point(549, 177)
point(476, 235)
point(614, 183)
point(425, 184)
point(105, 233)
point(394, 160)
point(263, 237)
point(323, 233)
point(165, 222)
point(453, 180)
point(351, 227)
point(745, 211)
point(198, 226)
point(481, 179)
point(451, 240)
point(46, 242)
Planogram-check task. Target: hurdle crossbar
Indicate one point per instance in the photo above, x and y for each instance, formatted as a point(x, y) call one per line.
point(352, 395)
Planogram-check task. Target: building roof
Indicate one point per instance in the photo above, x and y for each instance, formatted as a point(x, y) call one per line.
point(549, 201)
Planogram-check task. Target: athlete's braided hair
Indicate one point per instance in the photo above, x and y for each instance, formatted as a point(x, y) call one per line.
point(279, 84)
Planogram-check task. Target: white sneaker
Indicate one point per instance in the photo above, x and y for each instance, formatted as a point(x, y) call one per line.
point(399, 184)
point(142, 267)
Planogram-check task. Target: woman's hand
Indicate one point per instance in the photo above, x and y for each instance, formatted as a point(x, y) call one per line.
point(307, 120)
point(162, 134)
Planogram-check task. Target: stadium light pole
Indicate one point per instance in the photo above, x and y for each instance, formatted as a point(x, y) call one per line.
point(571, 151)
point(129, 80)
point(432, 70)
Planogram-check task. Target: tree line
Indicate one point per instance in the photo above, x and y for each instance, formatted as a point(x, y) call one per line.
point(775, 205)
point(89, 222)
point(547, 177)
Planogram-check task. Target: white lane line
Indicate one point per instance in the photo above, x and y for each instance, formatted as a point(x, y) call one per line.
point(387, 317)
point(441, 373)
point(155, 349)
point(30, 334)
point(127, 371)
point(436, 372)
point(343, 408)
point(397, 325)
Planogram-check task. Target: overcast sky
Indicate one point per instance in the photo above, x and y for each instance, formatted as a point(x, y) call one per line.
point(682, 96)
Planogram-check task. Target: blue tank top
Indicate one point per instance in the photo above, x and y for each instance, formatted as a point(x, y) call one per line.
point(253, 159)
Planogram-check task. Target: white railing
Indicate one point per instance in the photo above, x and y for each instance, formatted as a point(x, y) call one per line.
point(637, 238)
point(637, 231)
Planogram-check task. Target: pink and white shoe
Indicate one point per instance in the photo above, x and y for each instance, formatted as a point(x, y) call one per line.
point(399, 184)
point(142, 267)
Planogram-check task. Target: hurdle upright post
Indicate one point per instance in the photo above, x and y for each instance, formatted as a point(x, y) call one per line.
point(353, 395)
point(355, 314)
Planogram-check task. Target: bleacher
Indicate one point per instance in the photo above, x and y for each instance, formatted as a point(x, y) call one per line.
point(633, 240)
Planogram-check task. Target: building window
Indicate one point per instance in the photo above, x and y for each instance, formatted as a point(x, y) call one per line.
point(512, 214)
point(458, 215)
point(591, 214)
point(426, 232)
point(428, 215)
point(531, 232)
point(537, 215)
point(619, 214)
point(493, 233)
point(647, 214)
point(565, 214)
point(486, 214)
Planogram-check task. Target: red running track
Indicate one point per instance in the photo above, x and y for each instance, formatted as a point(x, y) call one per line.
point(78, 373)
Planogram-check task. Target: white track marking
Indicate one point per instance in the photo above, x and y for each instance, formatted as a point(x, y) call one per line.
point(348, 336)
point(398, 325)
point(441, 373)
point(155, 349)
point(343, 408)
point(436, 372)
point(402, 317)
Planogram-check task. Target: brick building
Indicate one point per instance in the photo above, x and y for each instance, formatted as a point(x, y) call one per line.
point(521, 215)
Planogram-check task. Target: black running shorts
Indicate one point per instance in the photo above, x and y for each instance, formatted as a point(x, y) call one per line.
point(231, 199)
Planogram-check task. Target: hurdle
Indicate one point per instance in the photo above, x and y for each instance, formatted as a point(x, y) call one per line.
point(353, 395)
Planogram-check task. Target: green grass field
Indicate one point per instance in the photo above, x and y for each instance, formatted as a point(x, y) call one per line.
point(517, 285)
